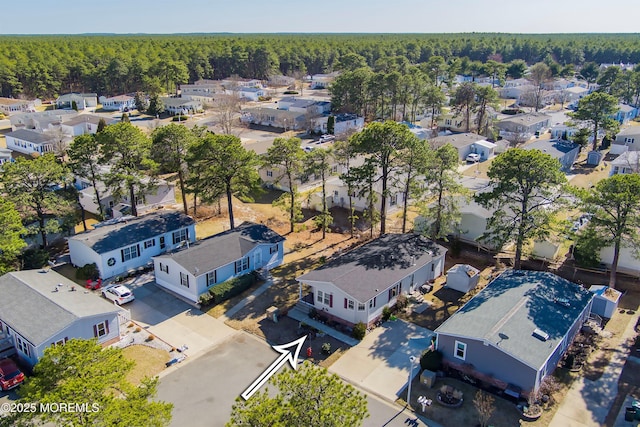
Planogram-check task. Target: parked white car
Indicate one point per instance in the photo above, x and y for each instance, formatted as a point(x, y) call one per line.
point(473, 158)
point(119, 294)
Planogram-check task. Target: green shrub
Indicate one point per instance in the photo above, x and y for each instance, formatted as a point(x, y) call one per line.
point(232, 287)
point(264, 98)
point(34, 258)
point(290, 92)
point(205, 298)
point(401, 302)
point(386, 313)
point(431, 360)
point(359, 331)
point(89, 271)
point(180, 118)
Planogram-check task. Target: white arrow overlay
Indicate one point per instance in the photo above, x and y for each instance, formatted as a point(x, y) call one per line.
point(286, 355)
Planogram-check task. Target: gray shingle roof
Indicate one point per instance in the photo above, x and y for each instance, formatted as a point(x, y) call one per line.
point(223, 248)
point(31, 136)
point(30, 307)
point(458, 140)
point(370, 269)
point(556, 149)
point(509, 309)
point(85, 118)
point(111, 237)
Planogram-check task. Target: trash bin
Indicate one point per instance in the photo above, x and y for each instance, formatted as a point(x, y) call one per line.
point(629, 413)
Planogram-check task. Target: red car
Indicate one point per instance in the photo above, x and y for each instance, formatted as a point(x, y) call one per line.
point(10, 375)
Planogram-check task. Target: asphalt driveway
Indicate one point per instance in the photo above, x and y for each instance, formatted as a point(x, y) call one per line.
point(380, 362)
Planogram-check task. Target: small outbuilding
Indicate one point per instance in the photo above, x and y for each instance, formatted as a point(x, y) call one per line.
point(605, 300)
point(462, 277)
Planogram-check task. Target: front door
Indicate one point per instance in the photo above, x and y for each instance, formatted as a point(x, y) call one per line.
point(257, 260)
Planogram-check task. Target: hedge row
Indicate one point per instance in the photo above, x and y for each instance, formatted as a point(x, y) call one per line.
point(232, 287)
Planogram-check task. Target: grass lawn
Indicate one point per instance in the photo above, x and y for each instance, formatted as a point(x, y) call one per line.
point(149, 362)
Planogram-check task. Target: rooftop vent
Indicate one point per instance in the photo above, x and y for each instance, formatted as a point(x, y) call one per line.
point(540, 334)
point(562, 301)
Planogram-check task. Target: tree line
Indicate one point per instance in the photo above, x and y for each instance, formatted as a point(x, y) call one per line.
point(46, 66)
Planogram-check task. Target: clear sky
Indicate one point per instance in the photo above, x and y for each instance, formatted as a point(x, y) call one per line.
point(330, 16)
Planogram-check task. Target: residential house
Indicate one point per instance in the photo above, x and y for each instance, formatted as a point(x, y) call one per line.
point(9, 105)
point(239, 82)
point(466, 143)
point(127, 243)
point(161, 195)
point(356, 286)
point(192, 272)
point(41, 308)
point(566, 152)
point(41, 121)
point(203, 91)
point(180, 106)
point(322, 81)
point(82, 100)
point(558, 84)
point(282, 119)
point(523, 126)
point(627, 162)
point(5, 156)
point(625, 113)
point(29, 142)
point(567, 132)
point(628, 261)
point(575, 93)
point(280, 81)
point(83, 124)
point(304, 105)
point(247, 93)
point(118, 103)
point(343, 123)
point(453, 122)
point(515, 89)
point(514, 332)
point(629, 137)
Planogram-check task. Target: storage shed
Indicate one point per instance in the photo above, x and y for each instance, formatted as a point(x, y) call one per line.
point(462, 277)
point(605, 301)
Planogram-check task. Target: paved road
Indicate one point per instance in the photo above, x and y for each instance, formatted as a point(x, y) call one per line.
point(204, 389)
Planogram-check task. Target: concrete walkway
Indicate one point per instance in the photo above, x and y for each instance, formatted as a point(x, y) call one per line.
point(298, 315)
point(588, 402)
point(242, 304)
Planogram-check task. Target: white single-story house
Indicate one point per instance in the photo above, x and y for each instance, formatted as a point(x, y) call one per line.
point(281, 80)
point(192, 272)
point(466, 143)
point(304, 105)
point(343, 123)
point(525, 125)
point(283, 119)
point(175, 106)
point(28, 141)
point(574, 93)
point(629, 137)
point(201, 89)
point(627, 162)
point(322, 81)
point(356, 286)
point(10, 105)
point(566, 152)
point(82, 100)
point(250, 93)
point(41, 308)
point(40, 121)
point(127, 243)
point(162, 195)
point(514, 332)
point(118, 103)
point(235, 82)
point(462, 277)
point(83, 124)
point(514, 89)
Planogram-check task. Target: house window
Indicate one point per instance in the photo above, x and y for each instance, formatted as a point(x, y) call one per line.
point(361, 307)
point(184, 279)
point(334, 169)
point(349, 304)
point(60, 342)
point(460, 350)
point(162, 245)
point(130, 253)
point(179, 236)
point(164, 268)
point(149, 243)
point(336, 193)
point(325, 298)
point(393, 200)
point(23, 345)
point(273, 249)
point(101, 329)
point(372, 303)
point(242, 265)
point(269, 174)
point(212, 278)
point(394, 291)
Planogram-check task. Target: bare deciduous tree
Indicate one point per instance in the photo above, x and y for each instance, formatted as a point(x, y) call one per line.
point(484, 404)
point(227, 111)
